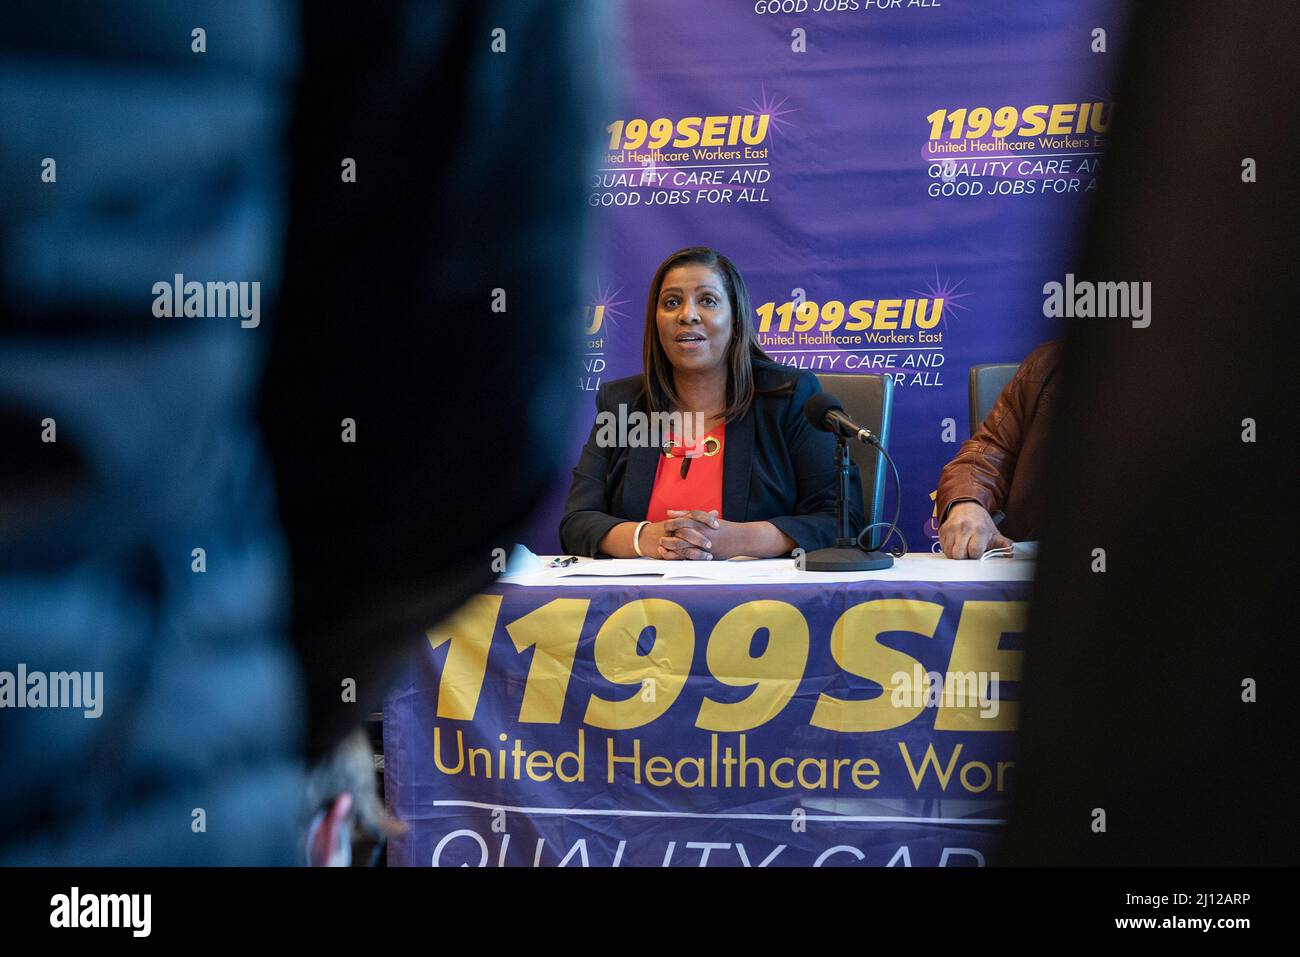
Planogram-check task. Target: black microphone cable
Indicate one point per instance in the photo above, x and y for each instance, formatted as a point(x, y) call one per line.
point(902, 548)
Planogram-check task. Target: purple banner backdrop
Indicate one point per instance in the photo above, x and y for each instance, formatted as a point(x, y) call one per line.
point(896, 179)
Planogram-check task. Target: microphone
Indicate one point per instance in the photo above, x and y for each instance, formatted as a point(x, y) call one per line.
point(824, 411)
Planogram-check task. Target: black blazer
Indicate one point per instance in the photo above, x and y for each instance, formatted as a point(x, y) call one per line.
point(775, 468)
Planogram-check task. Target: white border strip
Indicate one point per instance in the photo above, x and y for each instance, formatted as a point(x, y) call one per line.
point(582, 811)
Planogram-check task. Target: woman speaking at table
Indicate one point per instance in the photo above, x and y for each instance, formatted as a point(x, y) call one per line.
point(754, 479)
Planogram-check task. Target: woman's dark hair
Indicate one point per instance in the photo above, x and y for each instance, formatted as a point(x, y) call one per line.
point(661, 395)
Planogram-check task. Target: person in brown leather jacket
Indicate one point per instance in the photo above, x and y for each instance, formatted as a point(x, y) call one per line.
point(999, 468)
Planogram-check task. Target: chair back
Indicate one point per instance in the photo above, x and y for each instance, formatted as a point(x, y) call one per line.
point(986, 384)
point(869, 400)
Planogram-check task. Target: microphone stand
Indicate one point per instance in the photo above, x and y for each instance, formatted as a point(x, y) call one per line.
point(845, 555)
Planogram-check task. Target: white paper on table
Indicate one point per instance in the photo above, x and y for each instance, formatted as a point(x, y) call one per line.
point(733, 570)
point(1023, 551)
point(613, 568)
point(745, 569)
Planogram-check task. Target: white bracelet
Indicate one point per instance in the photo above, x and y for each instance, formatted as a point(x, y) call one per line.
point(636, 538)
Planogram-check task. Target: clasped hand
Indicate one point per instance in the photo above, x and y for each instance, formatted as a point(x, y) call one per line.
point(695, 535)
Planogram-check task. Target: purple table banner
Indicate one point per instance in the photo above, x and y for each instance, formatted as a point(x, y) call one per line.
point(849, 723)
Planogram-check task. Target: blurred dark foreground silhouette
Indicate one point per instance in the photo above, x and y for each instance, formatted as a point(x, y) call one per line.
point(198, 518)
point(1135, 676)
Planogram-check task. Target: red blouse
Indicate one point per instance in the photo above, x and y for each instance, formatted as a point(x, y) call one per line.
point(701, 487)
